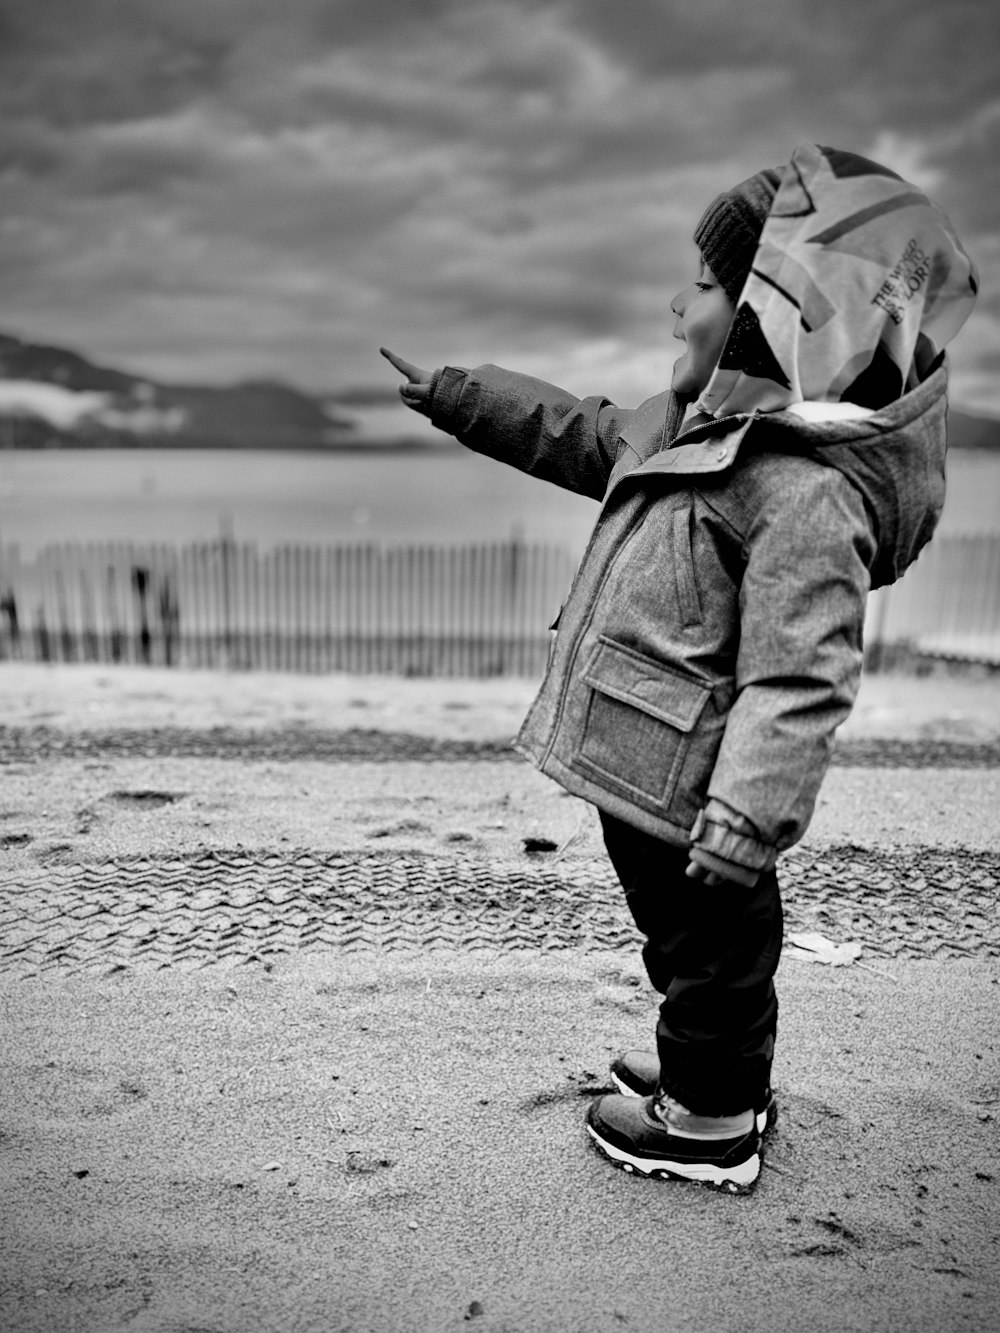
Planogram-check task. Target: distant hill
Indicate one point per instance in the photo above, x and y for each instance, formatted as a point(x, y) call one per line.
point(51, 397)
point(969, 432)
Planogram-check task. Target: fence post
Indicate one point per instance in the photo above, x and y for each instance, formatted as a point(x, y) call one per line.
point(12, 588)
point(140, 585)
point(226, 552)
point(876, 641)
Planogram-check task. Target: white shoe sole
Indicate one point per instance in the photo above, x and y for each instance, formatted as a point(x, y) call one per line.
point(734, 1178)
point(626, 1091)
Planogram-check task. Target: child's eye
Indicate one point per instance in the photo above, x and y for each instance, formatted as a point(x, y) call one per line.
point(704, 286)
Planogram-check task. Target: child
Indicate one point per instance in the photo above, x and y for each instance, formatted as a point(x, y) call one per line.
point(711, 643)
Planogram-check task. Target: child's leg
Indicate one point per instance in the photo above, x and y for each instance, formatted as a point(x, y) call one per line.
point(712, 954)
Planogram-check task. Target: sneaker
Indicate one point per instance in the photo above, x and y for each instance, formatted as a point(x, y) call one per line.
point(637, 1074)
point(638, 1134)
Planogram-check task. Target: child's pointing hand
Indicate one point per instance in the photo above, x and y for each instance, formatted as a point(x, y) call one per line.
point(417, 390)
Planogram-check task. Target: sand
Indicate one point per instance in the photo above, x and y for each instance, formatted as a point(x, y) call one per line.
point(393, 1141)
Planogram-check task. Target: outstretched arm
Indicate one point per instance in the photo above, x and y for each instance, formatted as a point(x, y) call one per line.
point(534, 426)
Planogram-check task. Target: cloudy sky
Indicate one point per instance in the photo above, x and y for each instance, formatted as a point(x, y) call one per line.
point(210, 190)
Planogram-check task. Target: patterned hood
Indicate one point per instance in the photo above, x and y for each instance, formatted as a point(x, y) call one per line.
point(858, 283)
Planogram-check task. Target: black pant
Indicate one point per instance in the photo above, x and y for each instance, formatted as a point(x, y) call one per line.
point(712, 954)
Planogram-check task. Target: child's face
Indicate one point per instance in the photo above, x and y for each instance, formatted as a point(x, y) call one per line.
point(704, 313)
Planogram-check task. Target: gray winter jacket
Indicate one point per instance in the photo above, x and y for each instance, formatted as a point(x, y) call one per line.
point(711, 642)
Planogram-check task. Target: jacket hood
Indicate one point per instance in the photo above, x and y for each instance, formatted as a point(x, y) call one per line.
point(895, 457)
point(857, 285)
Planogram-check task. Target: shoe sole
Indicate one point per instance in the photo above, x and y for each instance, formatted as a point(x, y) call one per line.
point(765, 1118)
point(739, 1179)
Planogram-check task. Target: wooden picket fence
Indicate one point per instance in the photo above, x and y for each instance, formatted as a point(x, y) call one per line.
point(947, 605)
point(414, 610)
point(411, 610)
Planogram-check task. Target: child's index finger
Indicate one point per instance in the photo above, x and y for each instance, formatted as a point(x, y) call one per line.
point(406, 367)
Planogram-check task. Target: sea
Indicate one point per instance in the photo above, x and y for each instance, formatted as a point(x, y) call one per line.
point(414, 497)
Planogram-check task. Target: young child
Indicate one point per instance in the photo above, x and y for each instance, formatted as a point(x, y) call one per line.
point(711, 643)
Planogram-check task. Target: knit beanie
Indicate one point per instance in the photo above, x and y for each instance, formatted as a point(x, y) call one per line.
point(731, 225)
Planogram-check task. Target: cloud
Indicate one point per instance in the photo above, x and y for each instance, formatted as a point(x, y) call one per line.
point(77, 63)
point(209, 191)
point(63, 408)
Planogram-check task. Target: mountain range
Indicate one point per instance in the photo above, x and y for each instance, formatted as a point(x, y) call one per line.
point(51, 397)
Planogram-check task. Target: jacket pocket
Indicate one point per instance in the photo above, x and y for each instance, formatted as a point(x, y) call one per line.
point(640, 722)
point(687, 590)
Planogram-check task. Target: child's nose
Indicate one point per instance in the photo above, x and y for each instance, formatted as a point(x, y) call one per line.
point(677, 304)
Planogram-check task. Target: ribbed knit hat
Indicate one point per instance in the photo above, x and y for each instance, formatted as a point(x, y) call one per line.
point(731, 225)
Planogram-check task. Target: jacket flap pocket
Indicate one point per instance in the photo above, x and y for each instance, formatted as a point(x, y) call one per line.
point(646, 684)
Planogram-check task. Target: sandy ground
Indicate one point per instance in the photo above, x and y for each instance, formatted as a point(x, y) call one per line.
point(380, 1144)
point(488, 809)
point(94, 697)
point(394, 1142)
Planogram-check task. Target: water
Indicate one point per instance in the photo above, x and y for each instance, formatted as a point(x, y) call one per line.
point(270, 498)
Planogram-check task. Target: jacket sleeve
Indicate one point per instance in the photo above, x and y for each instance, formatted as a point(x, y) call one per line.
point(802, 610)
point(533, 426)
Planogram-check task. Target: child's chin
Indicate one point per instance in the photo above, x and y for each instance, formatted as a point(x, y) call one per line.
point(682, 381)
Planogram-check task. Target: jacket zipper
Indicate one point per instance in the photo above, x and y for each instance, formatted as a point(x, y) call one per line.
point(733, 416)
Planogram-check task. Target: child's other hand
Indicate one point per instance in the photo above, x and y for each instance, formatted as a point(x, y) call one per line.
point(709, 877)
point(738, 875)
point(416, 392)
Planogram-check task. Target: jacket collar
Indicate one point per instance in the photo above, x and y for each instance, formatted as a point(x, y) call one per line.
point(645, 433)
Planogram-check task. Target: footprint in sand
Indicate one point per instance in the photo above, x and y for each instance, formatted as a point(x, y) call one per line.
point(400, 827)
